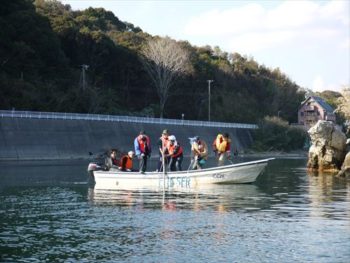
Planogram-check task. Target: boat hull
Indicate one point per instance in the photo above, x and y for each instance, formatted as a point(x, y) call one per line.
point(232, 174)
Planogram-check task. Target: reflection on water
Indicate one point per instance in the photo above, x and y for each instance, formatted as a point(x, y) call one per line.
point(217, 197)
point(329, 196)
point(49, 213)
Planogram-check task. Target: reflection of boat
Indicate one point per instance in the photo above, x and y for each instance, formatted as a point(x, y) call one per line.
point(246, 172)
point(217, 196)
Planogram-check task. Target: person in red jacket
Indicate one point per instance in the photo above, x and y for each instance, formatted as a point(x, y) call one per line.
point(111, 161)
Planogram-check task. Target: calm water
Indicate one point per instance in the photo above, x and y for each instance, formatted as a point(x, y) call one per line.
point(48, 213)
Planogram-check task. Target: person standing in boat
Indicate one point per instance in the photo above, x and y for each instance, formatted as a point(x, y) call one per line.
point(199, 150)
point(142, 146)
point(126, 162)
point(175, 153)
point(111, 160)
point(162, 149)
point(222, 148)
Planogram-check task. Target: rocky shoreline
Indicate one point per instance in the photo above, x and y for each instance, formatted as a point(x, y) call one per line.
point(328, 151)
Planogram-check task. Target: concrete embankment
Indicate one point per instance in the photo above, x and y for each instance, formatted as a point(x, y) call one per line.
point(25, 138)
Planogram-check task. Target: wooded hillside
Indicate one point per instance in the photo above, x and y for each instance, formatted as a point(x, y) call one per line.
point(43, 45)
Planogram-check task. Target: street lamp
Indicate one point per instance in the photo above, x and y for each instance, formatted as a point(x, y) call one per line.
point(83, 83)
point(209, 81)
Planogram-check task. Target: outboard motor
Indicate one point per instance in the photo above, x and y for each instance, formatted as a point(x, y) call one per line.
point(97, 164)
point(93, 167)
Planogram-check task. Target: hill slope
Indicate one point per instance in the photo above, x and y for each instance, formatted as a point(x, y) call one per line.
point(43, 45)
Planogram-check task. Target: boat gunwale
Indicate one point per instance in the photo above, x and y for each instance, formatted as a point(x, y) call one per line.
point(150, 175)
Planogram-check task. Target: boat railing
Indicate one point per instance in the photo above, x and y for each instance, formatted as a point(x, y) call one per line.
point(118, 118)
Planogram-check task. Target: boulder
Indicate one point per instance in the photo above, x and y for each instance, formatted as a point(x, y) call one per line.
point(328, 147)
point(345, 169)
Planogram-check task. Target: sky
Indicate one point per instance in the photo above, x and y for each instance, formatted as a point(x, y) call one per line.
point(309, 41)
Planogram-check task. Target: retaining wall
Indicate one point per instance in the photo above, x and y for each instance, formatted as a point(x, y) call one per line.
point(24, 138)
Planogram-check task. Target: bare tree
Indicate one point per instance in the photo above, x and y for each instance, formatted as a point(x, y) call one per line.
point(164, 60)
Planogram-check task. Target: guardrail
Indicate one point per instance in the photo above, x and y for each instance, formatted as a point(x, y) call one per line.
point(115, 118)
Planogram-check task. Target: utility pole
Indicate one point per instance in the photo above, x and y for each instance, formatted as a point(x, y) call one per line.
point(83, 83)
point(209, 81)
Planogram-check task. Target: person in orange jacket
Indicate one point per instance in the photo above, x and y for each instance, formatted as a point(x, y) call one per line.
point(126, 162)
point(199, 151)
point(222, 148)
point(162, 149)
point(175, 153)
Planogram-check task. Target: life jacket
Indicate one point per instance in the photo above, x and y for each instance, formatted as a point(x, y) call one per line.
point(200, 148)
point(175, 150)
point(222, 145)
point(115, 161)
point(142, 144)
point(128, 162)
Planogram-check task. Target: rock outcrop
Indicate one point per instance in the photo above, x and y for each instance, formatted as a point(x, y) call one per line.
point(345, 169)
point(328, 147)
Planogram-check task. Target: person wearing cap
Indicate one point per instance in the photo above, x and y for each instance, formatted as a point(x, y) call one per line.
point(162, 149)
point(222, 147)
point(142, 145)
point(199, 150)
point(175, 154)
point(126, 162)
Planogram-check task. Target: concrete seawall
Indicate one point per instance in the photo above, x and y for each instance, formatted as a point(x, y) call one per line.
point(24, 138)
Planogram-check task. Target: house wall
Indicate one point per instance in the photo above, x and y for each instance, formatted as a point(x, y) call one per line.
point(318, 111)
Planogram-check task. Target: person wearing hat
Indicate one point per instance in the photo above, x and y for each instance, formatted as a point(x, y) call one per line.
point(142, 145)
point(199, 151)
point(175, 154)
point(126, 162)
point(162, 149)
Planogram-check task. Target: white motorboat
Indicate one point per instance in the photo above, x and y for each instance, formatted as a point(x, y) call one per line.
point(246, 172)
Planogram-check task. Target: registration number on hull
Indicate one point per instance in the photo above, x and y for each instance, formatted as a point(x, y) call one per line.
point(219, 176)
point(184, 182)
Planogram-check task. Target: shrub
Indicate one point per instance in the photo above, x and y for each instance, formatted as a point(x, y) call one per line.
point(275, 134)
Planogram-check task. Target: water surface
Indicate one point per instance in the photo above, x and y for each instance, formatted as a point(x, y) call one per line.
point(49, 213)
